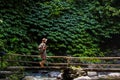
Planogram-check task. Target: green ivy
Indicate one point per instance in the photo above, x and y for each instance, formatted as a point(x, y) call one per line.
point(73, 27)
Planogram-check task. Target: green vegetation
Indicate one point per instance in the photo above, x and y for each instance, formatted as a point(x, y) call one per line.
point(73, 27)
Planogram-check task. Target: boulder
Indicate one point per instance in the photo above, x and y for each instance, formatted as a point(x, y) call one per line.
point(92, 73)
point(29, 78)
point(73, 72)
point(83, 78)
point(114, 74)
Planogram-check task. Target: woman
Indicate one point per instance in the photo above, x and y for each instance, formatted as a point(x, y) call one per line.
point(42, 48)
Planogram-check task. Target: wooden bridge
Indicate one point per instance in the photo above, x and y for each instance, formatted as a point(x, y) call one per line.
point(99, 64)
point(30, 62)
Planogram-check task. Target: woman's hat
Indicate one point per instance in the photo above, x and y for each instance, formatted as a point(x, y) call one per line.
point(44, 39)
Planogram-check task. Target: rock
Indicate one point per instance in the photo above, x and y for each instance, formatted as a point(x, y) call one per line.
point(114, 74)
point(110, 76)
point(80, 72)
point(67, 74)
point(29, 78)
point(53, 74)
point(59, 77)
point(83, 78)
point(102, 76)
point(92, 73)
point(73, 72)
point(94, 78)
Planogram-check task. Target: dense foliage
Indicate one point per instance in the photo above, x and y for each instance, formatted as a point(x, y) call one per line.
point(73, 27)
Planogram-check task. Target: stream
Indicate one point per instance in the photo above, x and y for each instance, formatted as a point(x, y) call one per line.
point(41, 75)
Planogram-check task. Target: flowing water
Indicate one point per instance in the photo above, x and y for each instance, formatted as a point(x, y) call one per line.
point(41, 75)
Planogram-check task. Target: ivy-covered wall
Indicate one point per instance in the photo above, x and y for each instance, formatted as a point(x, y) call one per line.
point(73, 27)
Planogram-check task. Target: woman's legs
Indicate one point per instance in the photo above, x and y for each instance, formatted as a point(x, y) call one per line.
point(43, 56)
point(42, 63)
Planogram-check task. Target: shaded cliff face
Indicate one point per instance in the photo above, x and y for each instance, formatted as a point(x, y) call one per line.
point(111, 46)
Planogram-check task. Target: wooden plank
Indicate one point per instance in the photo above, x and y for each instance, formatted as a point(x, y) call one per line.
point(37, 56)
point(36, 67)
point(7, 72)
point(97, 58)
point(102, 69)
point(23, 61)
point(59, 68)
point(69, 57)
point(82, 64)
point(65, 64)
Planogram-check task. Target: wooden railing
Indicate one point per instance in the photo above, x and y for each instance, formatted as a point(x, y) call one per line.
point(86, 63)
